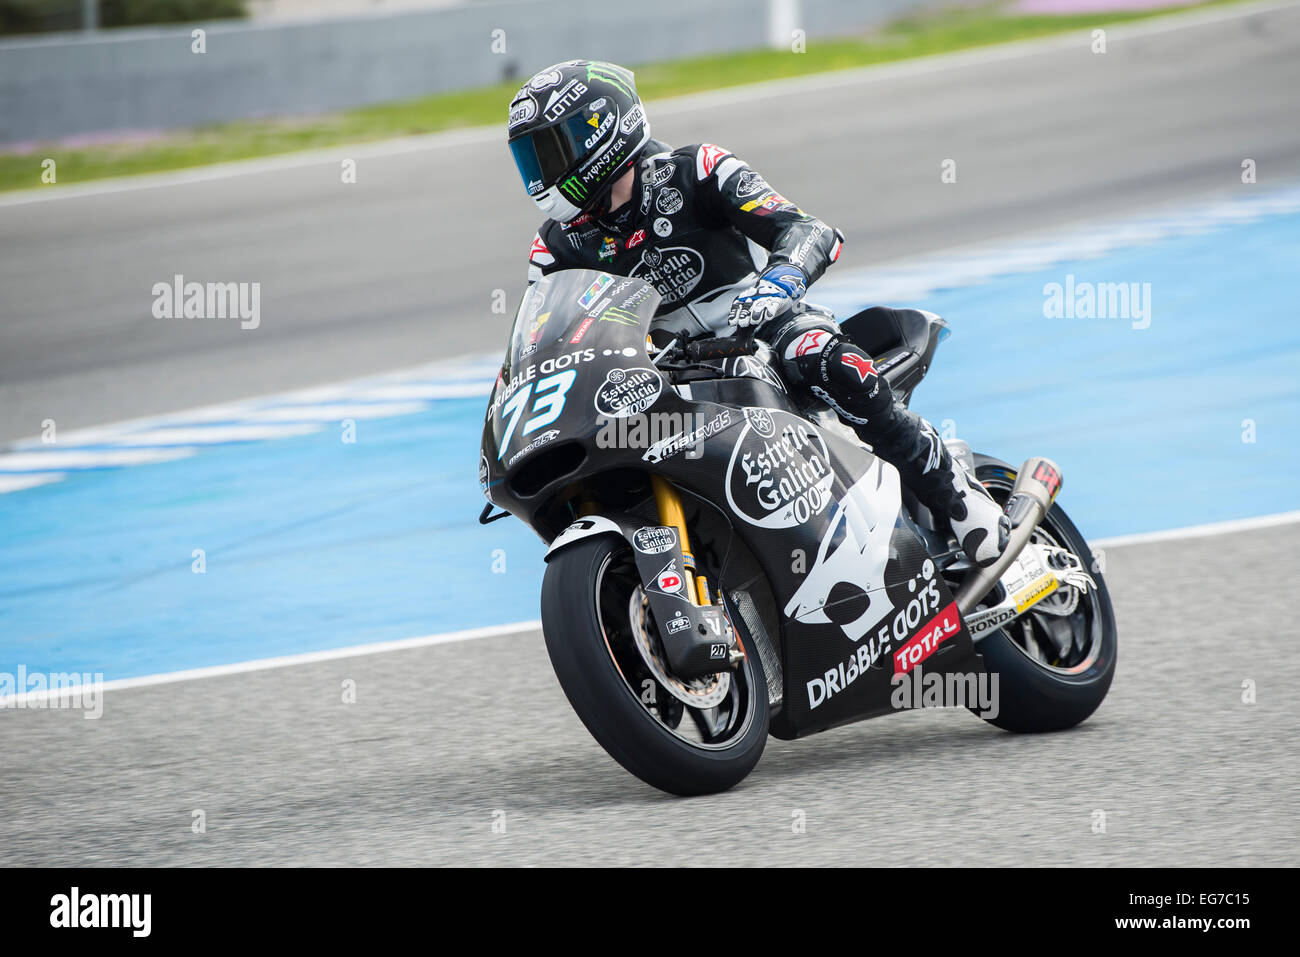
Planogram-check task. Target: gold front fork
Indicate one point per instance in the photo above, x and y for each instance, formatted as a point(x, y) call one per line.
point(673, 515)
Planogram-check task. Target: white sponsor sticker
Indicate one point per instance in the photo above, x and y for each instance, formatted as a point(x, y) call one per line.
point(669, 200)
point(632, 120)
point(628, 391)
point(780, 471)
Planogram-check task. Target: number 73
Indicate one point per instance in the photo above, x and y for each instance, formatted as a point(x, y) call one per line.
point(548, 403)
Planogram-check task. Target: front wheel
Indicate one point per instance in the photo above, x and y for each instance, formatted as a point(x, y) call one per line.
point(684, 737)
point(1055, 662)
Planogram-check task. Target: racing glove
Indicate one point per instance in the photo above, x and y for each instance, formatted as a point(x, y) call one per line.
point(776, 291)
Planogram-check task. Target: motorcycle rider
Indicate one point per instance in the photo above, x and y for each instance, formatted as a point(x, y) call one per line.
point(723, 249)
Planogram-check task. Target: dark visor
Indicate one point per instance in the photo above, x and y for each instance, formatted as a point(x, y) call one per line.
point(544, 155)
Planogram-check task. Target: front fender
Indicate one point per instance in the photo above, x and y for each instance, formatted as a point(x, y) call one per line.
point(697, 639)
point(618, 524)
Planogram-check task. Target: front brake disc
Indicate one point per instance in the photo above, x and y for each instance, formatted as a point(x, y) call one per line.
point(706, 692)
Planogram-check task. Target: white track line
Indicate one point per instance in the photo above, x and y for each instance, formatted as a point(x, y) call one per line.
point(519, 627)
point(746, 93)
point(1200, 531)
point(285, 661)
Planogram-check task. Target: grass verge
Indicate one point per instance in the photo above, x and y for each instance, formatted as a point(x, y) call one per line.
point(942, 31)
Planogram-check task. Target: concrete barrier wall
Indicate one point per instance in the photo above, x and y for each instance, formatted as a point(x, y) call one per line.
point(149, 79)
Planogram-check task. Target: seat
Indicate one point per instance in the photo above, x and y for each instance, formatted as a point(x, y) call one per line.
point(901, 341)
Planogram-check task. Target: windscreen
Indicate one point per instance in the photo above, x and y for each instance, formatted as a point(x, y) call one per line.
point(579, 310)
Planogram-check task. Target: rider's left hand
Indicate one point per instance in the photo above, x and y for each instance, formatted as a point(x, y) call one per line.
point(774, 293)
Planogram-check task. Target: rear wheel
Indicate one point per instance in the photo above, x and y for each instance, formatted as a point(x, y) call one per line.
point(684, 737)
point(1055, 662)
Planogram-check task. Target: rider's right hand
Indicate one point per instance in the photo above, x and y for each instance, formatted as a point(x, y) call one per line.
point(774, 293)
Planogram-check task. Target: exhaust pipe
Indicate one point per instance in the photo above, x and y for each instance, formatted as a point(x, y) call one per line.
point(1036, 487)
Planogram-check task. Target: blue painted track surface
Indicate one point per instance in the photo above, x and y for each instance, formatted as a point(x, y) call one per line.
point(312, 543)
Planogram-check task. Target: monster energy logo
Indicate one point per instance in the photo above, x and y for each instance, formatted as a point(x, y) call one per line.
point(573, 188)
point(615, 77)
point(614, 314)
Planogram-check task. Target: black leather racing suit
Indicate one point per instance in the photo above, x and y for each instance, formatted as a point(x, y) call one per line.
point(700, 226)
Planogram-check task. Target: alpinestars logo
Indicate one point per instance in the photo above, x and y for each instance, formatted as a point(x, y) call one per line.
point(707, 159)
point(810, 343)
point(859, 364)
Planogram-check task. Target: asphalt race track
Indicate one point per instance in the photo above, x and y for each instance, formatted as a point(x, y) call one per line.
point(444, 742)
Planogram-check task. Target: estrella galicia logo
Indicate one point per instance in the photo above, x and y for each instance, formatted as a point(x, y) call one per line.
point(780, 471)
point(653, 539)
point(669, 201)
point(628, 391)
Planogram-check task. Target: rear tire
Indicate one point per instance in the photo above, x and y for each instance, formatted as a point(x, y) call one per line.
point(1035, 696)
point(601, 689)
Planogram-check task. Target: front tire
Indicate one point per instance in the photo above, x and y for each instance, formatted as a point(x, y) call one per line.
point(1038, 692)
point(625, 706)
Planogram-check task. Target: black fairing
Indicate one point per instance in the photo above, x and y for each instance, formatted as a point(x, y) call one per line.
point(848, 575)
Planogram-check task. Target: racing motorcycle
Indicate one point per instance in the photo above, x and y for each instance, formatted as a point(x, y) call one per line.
point(728, 560)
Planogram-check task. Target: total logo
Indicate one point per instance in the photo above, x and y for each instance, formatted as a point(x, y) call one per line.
point(926, 641)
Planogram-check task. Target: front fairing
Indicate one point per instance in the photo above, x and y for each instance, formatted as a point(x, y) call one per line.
point(576, 358)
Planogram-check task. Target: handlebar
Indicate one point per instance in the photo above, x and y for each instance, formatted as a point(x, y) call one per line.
point(721, 347)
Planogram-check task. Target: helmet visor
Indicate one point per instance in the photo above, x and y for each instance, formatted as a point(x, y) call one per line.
point(543, 156)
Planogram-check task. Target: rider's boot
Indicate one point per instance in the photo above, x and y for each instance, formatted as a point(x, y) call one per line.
point(941, 482)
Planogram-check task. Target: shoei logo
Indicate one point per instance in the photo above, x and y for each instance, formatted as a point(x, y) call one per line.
point(521, 111)
point(662, 175)
point(634, 118)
